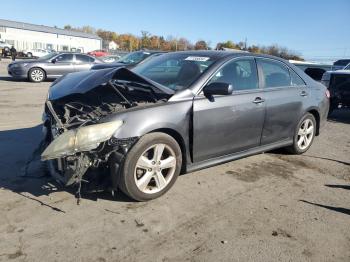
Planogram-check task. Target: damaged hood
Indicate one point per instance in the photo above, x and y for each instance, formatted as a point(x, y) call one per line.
point(82, 82)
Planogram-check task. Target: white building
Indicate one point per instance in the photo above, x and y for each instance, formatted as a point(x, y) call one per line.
point(113, 45)
point(28, 36)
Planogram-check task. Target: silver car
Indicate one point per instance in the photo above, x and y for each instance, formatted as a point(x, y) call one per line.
point(52, 65)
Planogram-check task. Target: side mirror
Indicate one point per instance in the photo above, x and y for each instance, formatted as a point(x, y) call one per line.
point(54, 60)
point(217, 88)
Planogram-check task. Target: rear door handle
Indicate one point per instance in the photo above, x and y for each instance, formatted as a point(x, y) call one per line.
point(258, 100)
point(303, 93)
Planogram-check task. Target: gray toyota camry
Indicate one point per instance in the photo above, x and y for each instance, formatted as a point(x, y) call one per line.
point(137, 130)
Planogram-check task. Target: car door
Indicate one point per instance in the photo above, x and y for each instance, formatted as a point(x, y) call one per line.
point(60, 65)
point(83, 62)
point(284, 93)
point(232, 123)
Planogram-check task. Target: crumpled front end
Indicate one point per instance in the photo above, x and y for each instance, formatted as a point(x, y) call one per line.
point(73, 167)
point(72, 153)
point(79, 141)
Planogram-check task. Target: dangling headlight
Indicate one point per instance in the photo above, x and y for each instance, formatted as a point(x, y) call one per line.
point(82, 139)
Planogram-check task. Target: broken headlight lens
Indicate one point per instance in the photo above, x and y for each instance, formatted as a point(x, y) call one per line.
point(82, 139)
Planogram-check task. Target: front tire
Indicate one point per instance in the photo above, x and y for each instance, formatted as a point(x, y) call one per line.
point(304, 135)
point(36, 75)
point(151, 167)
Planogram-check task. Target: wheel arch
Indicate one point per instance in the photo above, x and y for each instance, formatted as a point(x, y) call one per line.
point(179, 139)
point(316, 114)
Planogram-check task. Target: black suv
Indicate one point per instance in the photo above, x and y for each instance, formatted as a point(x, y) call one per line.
point(338, 83)
point(340, 64)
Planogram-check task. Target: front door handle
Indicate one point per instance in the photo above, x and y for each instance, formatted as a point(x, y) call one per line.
point(258, 100)
point(303, 93)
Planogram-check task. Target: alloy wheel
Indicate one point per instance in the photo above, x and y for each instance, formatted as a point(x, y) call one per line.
point(155, 168)
point(305, 134)
point(37, 75)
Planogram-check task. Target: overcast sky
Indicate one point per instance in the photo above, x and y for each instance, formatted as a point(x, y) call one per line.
point(318, 30)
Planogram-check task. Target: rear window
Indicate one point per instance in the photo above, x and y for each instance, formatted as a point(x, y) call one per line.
point(342, 62)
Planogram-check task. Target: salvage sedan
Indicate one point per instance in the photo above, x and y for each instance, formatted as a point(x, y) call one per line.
point(137, 130)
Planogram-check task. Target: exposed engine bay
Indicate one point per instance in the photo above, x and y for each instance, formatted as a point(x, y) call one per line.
point(112, 97)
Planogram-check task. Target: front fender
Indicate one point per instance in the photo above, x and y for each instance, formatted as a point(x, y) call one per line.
point(173, 115)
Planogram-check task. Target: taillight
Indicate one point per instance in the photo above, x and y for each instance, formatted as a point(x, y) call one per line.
point(328, 95)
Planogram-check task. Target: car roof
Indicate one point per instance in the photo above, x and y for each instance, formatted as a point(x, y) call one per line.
point(72, 53)
point(221, 54)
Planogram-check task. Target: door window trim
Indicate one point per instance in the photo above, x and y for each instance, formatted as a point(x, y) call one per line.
point(70, 62)
point(262, 79)
point(259, 89)
point(76, 61)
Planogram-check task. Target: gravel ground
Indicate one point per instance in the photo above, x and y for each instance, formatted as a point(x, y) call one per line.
point(268, 207)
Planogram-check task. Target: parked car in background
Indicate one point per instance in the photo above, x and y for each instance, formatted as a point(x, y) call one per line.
point(338, 84)
point(130, 60)
point(340, 64)
point(138, 129)
point(314, 70)
point(53, 65)
point(111, 58)
point(98, 53)
point(5, 49)
point(35, 52)
point(4, 44)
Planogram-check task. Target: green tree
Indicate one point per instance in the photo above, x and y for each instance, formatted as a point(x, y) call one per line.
point(145, 39)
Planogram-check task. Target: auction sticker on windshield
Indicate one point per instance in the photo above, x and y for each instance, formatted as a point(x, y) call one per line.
point(197, 58)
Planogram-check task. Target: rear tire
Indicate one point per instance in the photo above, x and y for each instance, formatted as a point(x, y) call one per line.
point(36, 75)
point(151, 167)
point(304, 135)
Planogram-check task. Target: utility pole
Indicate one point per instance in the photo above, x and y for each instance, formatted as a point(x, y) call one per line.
point(245, 44)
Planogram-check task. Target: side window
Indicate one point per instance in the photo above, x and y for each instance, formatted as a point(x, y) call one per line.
point(83, 59)
point(64, 58)
point(274, 73)
point(296, 80)
point(241, 74)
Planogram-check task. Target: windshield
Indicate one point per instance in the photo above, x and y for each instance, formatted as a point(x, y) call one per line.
point(48, 56)
point(176, 71)
point(347, 67)
point(133, 58)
